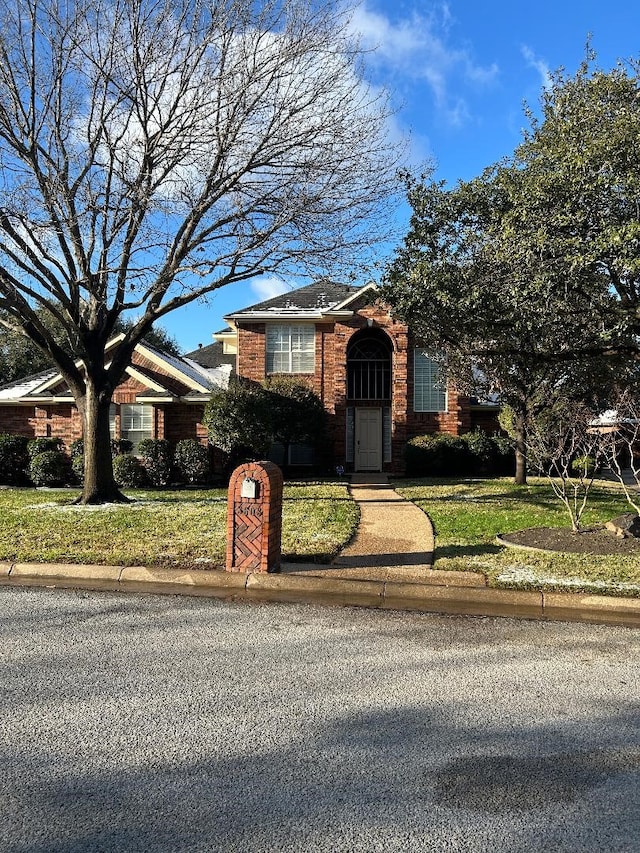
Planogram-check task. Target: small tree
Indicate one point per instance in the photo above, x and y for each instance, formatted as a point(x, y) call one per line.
point(619, 435)
point(237, 421)
point(245, 419)
point(566, 450)
point(295, 414)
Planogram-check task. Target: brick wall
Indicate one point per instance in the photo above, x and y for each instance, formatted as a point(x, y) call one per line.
point(182, 421)
point(330, 378)
point(252, 352)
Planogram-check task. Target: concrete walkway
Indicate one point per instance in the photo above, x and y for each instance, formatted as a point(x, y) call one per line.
point(394, 541)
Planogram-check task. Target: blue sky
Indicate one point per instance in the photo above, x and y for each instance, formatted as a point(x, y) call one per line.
point(458, 73)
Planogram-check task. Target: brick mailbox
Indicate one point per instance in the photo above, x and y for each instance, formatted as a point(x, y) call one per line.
point(254, 518)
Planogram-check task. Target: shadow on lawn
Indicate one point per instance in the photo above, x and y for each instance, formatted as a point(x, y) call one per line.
point(466, 550)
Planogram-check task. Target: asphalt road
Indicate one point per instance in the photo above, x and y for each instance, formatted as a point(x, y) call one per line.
point(150, 723)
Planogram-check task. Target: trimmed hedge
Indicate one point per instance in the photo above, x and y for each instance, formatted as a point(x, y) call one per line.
point(50, 468)
point(471, 455)
point(156, 458)
point(128, 471)
point(14, 459)
point(44, 445)
point(191, 461)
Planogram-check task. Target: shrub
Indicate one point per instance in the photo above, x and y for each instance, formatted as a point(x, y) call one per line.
point(440, 455)
point(128, 471)
point(482, 452)
point(44, 445)
point(77, 468)
point(76, 448)
point(472, 454)
point(50, 468)
point(14, 459)
point(156, 458)
point(120, 446)
point(191, 460)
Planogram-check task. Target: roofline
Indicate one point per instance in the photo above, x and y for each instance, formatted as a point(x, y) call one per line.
point(21, 401)
point(145, 380)
point(291, 314)
point(154, 356)
point(353, 296)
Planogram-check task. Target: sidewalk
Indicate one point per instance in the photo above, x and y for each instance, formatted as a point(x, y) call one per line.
point(388, 565)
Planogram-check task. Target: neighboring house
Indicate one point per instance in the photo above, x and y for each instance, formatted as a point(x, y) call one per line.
point(378, 386)
point(161, 396)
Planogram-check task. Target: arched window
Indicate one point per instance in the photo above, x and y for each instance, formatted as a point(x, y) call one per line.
point(369, 366)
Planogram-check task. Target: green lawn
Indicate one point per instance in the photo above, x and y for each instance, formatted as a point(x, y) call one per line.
point(468, 514)
point(184, 529)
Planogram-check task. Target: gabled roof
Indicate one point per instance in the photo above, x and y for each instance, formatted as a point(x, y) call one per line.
point(165, 377)
point(27, 385)
point(312, 302)
point(213, 355)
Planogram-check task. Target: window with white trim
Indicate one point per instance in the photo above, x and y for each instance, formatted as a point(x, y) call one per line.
point(429, 390)
point(291, 349)
point(136, 422)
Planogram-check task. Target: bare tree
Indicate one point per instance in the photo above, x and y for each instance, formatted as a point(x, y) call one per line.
point(566, 450)
point(619, 432)
point(152, 151)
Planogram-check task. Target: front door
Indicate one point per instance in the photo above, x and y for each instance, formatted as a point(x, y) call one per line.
point(368, 439)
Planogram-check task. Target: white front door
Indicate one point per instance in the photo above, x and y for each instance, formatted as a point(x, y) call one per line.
point(368, 439)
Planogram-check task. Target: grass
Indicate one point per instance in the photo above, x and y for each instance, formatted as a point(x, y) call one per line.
point(468, 514)
point(185, 529)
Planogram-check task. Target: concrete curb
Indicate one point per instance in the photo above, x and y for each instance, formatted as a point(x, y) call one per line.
point(446, 597)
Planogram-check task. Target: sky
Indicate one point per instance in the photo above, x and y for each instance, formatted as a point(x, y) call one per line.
point(459, 74)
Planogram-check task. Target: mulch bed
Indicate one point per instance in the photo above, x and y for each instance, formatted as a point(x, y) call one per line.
point(593, 540)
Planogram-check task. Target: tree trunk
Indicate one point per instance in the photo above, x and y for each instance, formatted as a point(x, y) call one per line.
point(521, 449)
point(99, 484)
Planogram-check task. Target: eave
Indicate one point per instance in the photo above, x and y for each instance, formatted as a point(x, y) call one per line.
point(290, 314)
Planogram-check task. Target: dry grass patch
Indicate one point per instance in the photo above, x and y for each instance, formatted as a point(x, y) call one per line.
point(185, 529)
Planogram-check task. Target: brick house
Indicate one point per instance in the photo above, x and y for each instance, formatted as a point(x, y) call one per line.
point(161, 396)
point(378, 386)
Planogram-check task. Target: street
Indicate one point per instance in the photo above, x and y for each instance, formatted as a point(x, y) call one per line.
point(158, 723)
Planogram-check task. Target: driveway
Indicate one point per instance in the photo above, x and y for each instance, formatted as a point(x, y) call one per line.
point(156, 723)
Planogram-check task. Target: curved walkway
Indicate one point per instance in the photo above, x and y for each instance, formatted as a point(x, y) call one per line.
point(394, 539)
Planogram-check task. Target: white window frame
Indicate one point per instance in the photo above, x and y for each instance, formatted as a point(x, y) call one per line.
point(429, 390)
point(290, 348)
point(136, 422)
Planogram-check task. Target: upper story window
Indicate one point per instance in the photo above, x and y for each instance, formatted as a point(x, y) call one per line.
point(369, 366)
point(429, 390)
point(291, 349)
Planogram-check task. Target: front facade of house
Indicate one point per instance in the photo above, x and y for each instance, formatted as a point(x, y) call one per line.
point(378, 386)
point(161, 396)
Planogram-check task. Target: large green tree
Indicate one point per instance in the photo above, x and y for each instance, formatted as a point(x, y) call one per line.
point(526, 279)
point(153, 151)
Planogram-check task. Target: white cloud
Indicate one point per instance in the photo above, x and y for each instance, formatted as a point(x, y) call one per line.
point(538, 64)
point(268, 286)
point(417, 47)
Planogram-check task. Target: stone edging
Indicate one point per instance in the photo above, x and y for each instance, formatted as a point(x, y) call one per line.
point(391, 595)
